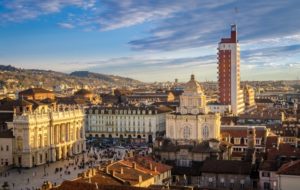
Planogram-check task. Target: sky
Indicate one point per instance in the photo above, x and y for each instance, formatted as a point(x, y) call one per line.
point(151, 40)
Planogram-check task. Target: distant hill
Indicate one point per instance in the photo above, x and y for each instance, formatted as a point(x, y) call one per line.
point(109, 78)
point(15, 78)
point(7, 68)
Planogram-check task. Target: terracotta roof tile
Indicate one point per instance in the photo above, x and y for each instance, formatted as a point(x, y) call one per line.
point(226, 167)
point(291, 168)
point(284, 149)
point(34, 91)
point(6, 134)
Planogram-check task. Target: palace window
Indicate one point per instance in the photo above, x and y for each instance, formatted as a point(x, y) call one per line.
point(184, 163)
point(237, 141)
point(210, 181)
point(222, 182)
point(186, 132)
point(205, 132)
point(258, 141)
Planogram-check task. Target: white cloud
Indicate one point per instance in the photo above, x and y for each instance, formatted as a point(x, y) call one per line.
point(66, 25)
point(20, 10)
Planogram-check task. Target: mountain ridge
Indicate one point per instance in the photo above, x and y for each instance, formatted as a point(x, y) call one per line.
point(26, 78)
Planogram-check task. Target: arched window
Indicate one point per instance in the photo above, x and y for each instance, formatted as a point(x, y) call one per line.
point(186, 132)
point(205, 132)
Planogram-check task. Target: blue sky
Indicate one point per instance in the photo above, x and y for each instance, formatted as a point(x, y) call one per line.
point(151, 40)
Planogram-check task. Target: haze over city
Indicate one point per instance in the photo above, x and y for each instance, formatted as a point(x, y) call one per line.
point(150, 40)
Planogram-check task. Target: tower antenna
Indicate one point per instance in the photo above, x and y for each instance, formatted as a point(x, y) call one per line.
point(236, 11)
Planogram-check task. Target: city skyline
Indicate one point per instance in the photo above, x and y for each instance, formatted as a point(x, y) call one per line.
point(150, 40)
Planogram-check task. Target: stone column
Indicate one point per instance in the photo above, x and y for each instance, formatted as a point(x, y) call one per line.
point(67, 132)
point(57, 134)
point(53, 154)
point(70, 152)
point(82, 131)
point(60, 133)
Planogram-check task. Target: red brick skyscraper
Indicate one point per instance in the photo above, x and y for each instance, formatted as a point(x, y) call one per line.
point(229, 72)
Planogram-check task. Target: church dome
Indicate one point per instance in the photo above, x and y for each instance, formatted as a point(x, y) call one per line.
point(193, 85)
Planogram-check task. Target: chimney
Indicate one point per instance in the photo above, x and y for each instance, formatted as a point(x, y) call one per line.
point(121, 170)
point(250, 152)
point(133, 165)
point(140, 178)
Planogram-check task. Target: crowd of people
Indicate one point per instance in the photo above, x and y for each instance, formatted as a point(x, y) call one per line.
point(94, 156)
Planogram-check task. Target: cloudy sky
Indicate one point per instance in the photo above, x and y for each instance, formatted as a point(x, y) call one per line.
point(151, 40)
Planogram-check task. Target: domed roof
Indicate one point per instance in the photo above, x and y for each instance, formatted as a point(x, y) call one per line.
point(193, 85)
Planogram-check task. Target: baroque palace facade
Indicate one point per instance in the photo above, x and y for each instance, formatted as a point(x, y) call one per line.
point(191, 121)
point(126, 122)
point(192, 132)
point(45, 132)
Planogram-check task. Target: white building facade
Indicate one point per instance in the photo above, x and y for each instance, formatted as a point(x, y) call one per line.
point(125, 122)
point(219, 108)
point(6, 149)
point(47, 134)
point(191, 122)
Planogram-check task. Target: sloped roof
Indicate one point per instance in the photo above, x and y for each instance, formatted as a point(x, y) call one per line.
point(291, 168)
point(31, 91)
point(83, 92)
point(6, 134)
point(264, 101)
point(284, 149)
point(241, 131)
point(146, 161)
point(227, 167)
point(268, 165)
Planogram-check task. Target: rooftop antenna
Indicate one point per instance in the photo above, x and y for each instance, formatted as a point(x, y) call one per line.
point(236, 11)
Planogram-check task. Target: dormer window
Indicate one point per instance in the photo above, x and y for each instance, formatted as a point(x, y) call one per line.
point(237, 140)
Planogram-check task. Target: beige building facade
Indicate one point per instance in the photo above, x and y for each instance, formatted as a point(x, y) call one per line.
point(191, 121)
point(47, 134)
point(125, 122)
point(6, 149)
